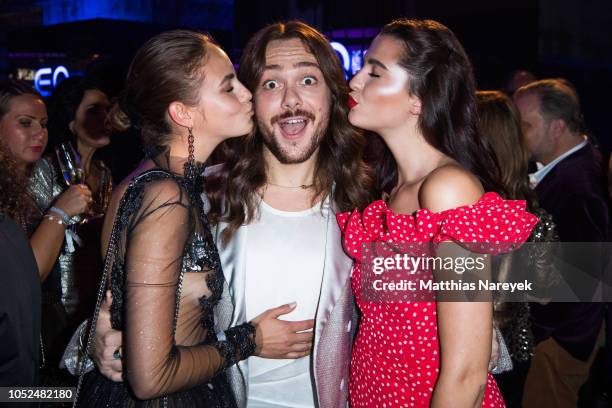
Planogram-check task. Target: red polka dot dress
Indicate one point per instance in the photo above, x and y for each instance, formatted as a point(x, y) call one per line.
point(395, 357)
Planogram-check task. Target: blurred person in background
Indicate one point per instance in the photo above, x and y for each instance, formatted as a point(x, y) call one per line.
point(500, 124)
point(571, 186)
point(23, 135)
point(78, 116)
point(516, 79)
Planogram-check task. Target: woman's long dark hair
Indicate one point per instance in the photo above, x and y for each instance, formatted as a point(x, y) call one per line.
point(232, 191)
point(62, 107)
point(441, 76)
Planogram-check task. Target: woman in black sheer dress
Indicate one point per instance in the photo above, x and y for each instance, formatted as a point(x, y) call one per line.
point(164, 270)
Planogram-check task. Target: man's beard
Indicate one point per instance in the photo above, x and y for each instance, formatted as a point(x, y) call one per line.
point(272, 143)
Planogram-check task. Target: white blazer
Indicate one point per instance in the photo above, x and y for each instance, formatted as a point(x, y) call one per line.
point(335, 319)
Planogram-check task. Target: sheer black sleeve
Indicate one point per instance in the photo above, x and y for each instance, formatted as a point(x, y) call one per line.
point(155, 243)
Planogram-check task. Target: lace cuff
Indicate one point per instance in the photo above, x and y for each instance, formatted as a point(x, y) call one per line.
point(239, 344)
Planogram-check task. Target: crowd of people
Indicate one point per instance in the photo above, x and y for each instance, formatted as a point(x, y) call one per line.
point(241, 284)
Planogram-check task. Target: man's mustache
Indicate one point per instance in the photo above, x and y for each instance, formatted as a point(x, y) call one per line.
point(290, 114)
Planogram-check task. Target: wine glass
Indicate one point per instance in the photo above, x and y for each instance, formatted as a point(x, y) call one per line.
point(69, 163)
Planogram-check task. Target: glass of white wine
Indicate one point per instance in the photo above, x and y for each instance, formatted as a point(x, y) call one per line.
point(69, 163)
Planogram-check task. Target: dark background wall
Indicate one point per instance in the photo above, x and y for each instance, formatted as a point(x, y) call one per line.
point(548, 37)
point(551, 38)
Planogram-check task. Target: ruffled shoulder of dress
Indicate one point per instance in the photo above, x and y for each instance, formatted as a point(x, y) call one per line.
point(490, 220)
point(377, 223)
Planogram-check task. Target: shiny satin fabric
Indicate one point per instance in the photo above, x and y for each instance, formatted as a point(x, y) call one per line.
point(334, 327)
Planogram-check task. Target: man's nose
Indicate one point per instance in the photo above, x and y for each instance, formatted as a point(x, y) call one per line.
point(291, 98)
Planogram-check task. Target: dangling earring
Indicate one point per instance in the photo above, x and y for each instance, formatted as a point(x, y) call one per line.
point(190, 166)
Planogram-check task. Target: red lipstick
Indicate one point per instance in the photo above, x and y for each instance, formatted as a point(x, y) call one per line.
point(352, 102)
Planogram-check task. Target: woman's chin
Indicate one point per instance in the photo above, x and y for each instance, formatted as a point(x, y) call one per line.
point(247, 129)
point(356, 120)
point(98, 142)
point(244, 132)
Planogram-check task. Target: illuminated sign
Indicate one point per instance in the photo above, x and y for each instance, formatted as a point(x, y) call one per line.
point(47, 78)
point(25, 74)
point(344, 55)
point(351, 61)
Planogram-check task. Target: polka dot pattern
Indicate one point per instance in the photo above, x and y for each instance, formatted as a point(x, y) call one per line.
point(395, 360)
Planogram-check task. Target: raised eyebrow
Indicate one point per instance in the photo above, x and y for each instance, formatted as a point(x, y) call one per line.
point(374, 61)
point(296, 65)
point(272, 66)
point(306, 64)
point(227, 78)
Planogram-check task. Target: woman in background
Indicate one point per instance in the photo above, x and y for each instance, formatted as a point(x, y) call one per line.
point(77, 115)
point(500, 124)
point(23, 134)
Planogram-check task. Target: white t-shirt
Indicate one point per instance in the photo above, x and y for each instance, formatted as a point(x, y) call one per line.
point(284, 264)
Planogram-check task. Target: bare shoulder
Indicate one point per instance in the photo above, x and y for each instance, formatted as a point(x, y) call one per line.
point(449, 186)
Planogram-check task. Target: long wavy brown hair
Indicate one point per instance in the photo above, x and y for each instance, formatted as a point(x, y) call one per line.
point(441, 75)
point(233, 190)
point(500, 124)
point(14, 200)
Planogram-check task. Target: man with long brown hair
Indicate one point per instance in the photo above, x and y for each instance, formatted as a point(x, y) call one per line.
point(273, 203)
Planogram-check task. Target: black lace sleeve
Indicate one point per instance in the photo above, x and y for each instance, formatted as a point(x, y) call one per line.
point(239, 344)
point(154, 243)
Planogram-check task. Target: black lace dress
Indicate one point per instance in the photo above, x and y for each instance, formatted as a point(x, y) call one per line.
point(166, 278)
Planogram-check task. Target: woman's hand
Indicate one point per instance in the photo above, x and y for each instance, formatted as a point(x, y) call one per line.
point(107, 344)
point(279, 339)
point(48, 238)
point(74, 201)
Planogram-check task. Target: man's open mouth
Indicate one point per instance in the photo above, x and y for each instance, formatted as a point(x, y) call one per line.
point(293, 126)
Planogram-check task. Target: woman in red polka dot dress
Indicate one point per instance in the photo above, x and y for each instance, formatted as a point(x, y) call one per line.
point(416, 90)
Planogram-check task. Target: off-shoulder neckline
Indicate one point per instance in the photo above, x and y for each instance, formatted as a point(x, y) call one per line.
point(485, 197)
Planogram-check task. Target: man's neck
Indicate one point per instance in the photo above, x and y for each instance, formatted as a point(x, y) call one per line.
point(289, 175)
point(289, 187)
point(565, 144)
